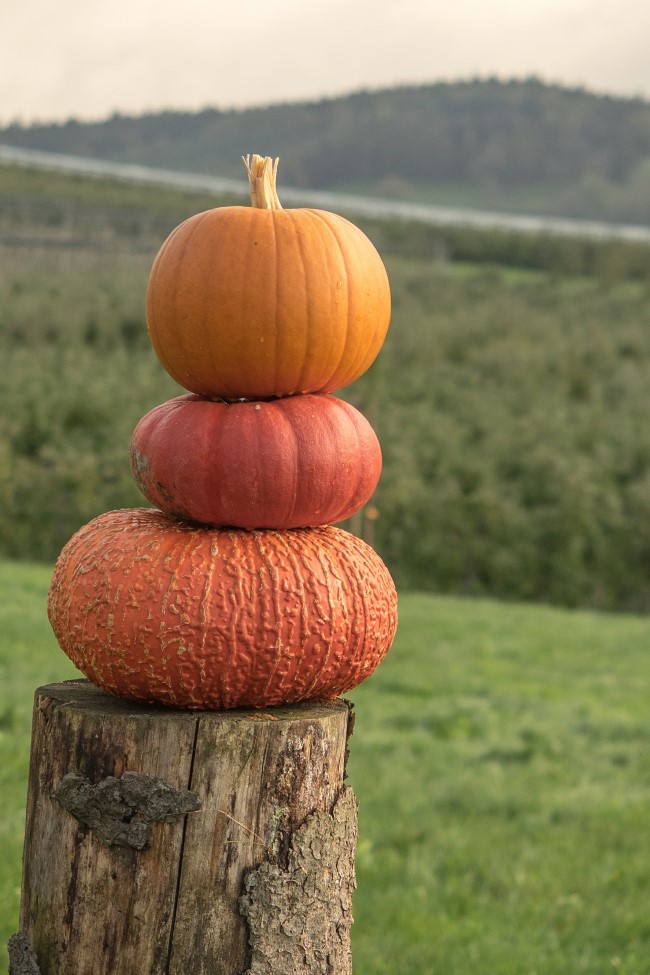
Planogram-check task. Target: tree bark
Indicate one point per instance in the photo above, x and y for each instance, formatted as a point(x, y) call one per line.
point(164, 842)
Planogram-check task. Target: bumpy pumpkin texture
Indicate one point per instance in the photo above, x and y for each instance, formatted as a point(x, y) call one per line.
point(289, 463)
point(259, 302)
point(155, 609)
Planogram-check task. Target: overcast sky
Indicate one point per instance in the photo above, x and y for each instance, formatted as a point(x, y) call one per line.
point(88, 58)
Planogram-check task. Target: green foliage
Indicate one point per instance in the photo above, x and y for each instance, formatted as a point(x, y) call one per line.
point(608, 260)
point(78, 376)
point(501, 762)
point(511, 404)
point(78, 369)
point(514, 419)
point(517, 145)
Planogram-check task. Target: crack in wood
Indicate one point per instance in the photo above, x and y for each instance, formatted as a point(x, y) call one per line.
point(172, 928)
point(121, 811)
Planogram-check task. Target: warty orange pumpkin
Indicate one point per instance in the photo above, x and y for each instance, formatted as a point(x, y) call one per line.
point(156, 609)
point(295, 462)
point(260, 302)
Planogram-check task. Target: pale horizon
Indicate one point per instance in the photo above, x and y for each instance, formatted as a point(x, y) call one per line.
point(94, 61)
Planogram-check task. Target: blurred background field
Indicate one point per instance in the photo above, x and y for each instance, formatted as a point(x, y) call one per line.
point(510, 399)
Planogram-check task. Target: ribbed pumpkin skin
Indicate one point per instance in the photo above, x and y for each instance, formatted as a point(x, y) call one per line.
point(290, 463)
point(155, 609)
point(251, 303)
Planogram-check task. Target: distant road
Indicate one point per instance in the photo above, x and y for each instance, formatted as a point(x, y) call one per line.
point(338, 202)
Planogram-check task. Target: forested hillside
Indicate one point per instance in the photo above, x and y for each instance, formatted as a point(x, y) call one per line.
point(518, 145)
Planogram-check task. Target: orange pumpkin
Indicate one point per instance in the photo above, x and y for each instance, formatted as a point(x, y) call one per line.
point(156, 609)
point(260, 302)
point(295, 462)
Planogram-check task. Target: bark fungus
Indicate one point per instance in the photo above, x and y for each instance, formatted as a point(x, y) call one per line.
point(299, 915)
point(122, 811)
point(22, 960)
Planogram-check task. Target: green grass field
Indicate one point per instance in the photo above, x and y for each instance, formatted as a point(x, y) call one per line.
point(502, 764)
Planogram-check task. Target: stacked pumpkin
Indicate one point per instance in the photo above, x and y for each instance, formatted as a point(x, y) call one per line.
point(236, 590)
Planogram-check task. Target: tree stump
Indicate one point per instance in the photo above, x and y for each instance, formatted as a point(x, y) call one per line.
point(164, 842)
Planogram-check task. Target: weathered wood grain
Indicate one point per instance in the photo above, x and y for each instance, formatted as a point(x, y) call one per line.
point(87, 907)
point(196, 900)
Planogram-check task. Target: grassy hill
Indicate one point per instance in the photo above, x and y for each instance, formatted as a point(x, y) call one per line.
point(501, 761)
point(519, 145)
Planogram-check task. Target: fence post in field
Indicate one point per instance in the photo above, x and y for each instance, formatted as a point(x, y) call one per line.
point(165, 842)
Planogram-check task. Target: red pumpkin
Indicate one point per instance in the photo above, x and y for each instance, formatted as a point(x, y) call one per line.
point(155, 609)
point(288, 463)
point(259, 302)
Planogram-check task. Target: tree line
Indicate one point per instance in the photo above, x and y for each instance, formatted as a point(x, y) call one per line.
point(522, 145)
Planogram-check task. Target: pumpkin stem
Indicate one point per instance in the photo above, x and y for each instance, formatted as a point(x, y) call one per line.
point(262, 174)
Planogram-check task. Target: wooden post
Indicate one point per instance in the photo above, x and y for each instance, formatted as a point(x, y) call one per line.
point(163, 842)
